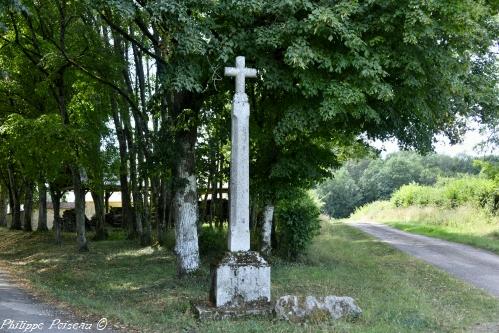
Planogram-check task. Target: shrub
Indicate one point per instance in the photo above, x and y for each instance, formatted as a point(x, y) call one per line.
point(369, 211)
point(297, 222)
point(212, 241)
point(450, 193)
point(405, 196)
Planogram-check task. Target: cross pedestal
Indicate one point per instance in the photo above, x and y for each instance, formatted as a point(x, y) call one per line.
point(242, 278)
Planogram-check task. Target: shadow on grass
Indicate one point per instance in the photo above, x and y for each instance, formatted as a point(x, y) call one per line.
point(138, 286)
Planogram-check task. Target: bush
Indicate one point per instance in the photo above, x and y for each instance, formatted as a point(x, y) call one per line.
point(369, 211)
point(212, 241)
point(450, 193)
point(297, 222)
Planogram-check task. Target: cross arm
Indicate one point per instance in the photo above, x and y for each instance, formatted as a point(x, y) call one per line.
point(250, 72)
point(231, 71)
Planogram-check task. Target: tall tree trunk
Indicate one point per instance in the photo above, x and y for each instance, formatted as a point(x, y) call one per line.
point(204, 211)
point(120, 116)
point(3, 206)
point(42, 207)
point(15, 204)
point(56, 196)
point(214, 193)
point(162, 212)
point(62, 98)
point(28, 208)
point(138, 212)
point(254, 215)
point(268, 216)
point(125, 189)
point(186, 201)
point(100, 228)
point(135, 226)
point(79, 210)
point(107, 195)
point(146, 229)
point(220, 207)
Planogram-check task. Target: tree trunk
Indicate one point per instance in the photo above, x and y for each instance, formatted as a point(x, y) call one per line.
point(42, 207)
point(268, 216)
point(214, 195)
point(15, 204)
point(3, 207)
point(135, 225)
point(204, 211)
point(162, 212)
point(107, 195)
point(254, 215)
point(28, 208)
point(100, 228)
point(186, 205)
point(125, 190)
point(16, 223)
point(79, 209)
point(146, 228)
point(56, 196)
point(220, 202)
point(146, 238)
point(170, 202)
point(138, 213)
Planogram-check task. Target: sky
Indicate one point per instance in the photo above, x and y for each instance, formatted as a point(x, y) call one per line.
point(468, 145)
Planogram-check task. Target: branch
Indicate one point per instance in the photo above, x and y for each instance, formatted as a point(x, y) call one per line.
point(146, 32)
point(105, 82)
point(128, 37)
point(25, 51)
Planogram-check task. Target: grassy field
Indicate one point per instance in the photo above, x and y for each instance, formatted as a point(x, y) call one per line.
point(463, 224)
point(137, 286)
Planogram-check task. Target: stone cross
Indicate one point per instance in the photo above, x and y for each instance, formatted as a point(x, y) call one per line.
point(239, 235)
point(241, 280)
point(240, 72)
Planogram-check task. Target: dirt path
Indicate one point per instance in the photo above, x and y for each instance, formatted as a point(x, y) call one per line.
point(478, 267)
point(20, 312)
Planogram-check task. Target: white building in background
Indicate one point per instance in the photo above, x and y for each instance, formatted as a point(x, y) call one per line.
point(66, 204)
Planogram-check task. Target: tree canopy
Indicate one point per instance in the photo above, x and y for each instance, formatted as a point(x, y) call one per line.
point(133, 93)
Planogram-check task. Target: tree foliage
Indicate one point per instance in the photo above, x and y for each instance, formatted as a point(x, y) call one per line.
point(133, 92)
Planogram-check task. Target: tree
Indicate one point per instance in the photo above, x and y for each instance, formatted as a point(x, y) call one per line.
point(3, 207)
point(340, 195)
point(333, 72)
point(332, 76)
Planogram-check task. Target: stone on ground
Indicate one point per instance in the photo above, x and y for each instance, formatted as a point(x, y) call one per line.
point(299, 308)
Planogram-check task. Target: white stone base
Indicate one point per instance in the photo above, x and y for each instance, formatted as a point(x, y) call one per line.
point(241, 279)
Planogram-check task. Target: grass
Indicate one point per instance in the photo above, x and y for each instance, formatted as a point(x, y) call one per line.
point(463, 224)
point(137, 286)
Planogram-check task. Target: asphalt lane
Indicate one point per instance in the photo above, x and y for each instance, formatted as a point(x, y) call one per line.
point(21, 312)
point(475, 266)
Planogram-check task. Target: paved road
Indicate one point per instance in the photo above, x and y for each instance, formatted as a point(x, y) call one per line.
point(478, 267)
point(18, 310)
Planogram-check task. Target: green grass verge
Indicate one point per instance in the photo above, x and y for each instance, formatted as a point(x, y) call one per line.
point(137, 286)
point(464, 224)
point(484, 242)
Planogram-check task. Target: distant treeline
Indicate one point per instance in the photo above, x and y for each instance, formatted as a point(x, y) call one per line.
point(362, 181)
